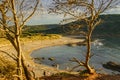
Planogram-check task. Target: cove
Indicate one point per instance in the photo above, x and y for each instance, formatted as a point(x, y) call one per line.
point(102, 51)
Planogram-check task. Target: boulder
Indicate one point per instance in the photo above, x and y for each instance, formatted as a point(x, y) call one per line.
point(112, 66)
point(51, 58)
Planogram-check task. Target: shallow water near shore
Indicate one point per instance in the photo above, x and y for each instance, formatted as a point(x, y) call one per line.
point(103, 50)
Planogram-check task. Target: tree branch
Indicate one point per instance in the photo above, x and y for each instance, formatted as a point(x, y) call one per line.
point(35, 8)
point(76, 60)
point(75, 67)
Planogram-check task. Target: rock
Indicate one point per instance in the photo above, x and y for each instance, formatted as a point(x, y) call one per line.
point(71, 44)
point(112, 66)
point(39, 58)
point(51, 58)
point(56, 66)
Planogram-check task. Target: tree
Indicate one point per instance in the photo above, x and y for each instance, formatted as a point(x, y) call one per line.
point(87, 11)
point(13, 16)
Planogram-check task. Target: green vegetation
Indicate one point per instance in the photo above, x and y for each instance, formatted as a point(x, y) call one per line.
point(109, 26)
point(36, 29)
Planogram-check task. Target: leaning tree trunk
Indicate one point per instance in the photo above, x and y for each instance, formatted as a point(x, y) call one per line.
point(88, 54)
point(19, 62)
point(22, 66)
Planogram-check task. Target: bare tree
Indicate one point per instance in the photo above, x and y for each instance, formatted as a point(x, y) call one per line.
point(13, 16)
point(87, 11)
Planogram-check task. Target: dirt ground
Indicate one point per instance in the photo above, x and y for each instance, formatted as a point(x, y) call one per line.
point(91, 77)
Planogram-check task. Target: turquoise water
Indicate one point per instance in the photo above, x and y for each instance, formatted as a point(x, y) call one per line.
point(103, 50)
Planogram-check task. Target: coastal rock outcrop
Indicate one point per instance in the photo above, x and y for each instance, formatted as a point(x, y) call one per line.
point(112, 66)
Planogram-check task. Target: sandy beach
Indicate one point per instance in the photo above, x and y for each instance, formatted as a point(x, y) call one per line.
point(28, 47)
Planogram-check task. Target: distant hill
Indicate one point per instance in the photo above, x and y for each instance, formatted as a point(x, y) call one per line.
point(110, 26)
point(36, 29)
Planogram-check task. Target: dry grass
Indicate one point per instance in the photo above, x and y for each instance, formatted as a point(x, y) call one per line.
point(4, 41)
point(41, 37)
point(7, 68)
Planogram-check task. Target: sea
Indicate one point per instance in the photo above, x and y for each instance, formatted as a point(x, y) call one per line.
point(103, 50)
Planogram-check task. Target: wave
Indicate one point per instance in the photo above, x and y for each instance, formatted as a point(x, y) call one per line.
point(98, 42)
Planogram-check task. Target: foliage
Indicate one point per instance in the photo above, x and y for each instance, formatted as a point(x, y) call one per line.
point(38, 28)
point(109, 26)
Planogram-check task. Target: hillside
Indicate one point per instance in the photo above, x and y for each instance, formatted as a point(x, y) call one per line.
point(38, 28)
point(110, 26)
point(29, 30)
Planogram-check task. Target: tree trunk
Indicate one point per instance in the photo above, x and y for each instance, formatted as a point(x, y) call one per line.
point(27, 72)
point(19, 62)
point(21, 65)
point(88, 54)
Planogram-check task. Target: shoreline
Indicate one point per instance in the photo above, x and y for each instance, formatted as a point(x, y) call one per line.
point(40, 69)
point(28, 47)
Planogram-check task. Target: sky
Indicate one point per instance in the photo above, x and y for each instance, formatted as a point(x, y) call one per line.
point(41, 18)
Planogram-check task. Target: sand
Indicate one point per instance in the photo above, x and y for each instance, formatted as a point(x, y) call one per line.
point(28, 47)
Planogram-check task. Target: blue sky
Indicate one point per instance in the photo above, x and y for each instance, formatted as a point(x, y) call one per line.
point(43, 17)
